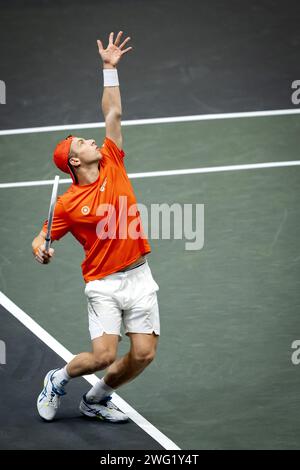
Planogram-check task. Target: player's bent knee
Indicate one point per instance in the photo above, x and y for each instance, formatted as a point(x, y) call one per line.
point(103, 360)
point(143, 357)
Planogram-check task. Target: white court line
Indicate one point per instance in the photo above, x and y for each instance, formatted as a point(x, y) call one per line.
point(57, 347)
point(149, 174)
point(164, 120)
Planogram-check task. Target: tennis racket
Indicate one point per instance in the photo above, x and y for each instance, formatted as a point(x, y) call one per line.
point(51, 212)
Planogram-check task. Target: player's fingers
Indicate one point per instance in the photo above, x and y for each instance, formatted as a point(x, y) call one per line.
point(118, 38)
point(124, 42)
point(100, 45)
point(44, 255)
point(111, 38)
point(39, 259)
point(40, 253)
point(126, 50)
point(51, 252)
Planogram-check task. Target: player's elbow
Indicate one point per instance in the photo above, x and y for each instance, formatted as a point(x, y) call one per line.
point(114, 114)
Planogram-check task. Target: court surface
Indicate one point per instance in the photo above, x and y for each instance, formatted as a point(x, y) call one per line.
point(223, 377)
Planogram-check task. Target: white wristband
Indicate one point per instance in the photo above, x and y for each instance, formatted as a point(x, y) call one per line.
point(110, 77)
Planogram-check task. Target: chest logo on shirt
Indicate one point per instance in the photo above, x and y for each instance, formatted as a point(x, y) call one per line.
point(102, 188)
point(85, 210)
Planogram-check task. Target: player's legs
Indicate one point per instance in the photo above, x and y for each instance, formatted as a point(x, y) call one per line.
point(137, 297)
point(141, 354)
point(105, 318)
point(104, 324)
point(141, 319)
point(104, 352)
point(97, 402)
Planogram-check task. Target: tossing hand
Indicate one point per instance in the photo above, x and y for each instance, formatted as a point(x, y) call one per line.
point(113, 53)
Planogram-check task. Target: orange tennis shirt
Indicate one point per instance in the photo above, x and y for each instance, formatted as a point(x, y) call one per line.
point(103, 216)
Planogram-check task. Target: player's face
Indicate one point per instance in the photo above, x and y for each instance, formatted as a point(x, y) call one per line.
point(86, 150)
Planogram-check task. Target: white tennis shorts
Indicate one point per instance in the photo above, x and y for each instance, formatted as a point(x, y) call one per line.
point(128, 297)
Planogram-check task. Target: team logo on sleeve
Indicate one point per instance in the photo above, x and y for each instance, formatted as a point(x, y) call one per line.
point(85, 210)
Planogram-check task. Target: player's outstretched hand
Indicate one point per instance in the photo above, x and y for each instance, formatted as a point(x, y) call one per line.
point(114, 51)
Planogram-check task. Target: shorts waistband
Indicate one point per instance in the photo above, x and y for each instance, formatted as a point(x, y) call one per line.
point(134, 267)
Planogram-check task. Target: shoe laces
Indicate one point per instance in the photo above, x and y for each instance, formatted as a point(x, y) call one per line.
point(53, 398)
point(57, 390)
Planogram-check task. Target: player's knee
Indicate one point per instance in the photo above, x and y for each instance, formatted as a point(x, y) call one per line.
point(103, 360)
point(143, 357)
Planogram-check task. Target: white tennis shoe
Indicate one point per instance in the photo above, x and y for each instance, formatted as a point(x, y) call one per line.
point(49, 399)
point(104, 410)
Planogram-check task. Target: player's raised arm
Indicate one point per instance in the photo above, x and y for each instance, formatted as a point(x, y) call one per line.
point(111, 99)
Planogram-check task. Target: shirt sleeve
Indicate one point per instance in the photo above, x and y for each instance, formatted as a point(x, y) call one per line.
point(111, 151)
point(60, 223)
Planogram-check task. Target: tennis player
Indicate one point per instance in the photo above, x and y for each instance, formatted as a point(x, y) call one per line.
point(119, 284)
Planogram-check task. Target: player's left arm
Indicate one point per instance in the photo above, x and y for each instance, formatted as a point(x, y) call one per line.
point(111, 98)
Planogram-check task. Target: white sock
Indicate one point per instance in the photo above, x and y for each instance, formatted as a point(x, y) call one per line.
point(61, 377)
point(99, 391)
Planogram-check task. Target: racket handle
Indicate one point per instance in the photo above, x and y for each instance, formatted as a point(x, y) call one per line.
point(47, 244)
